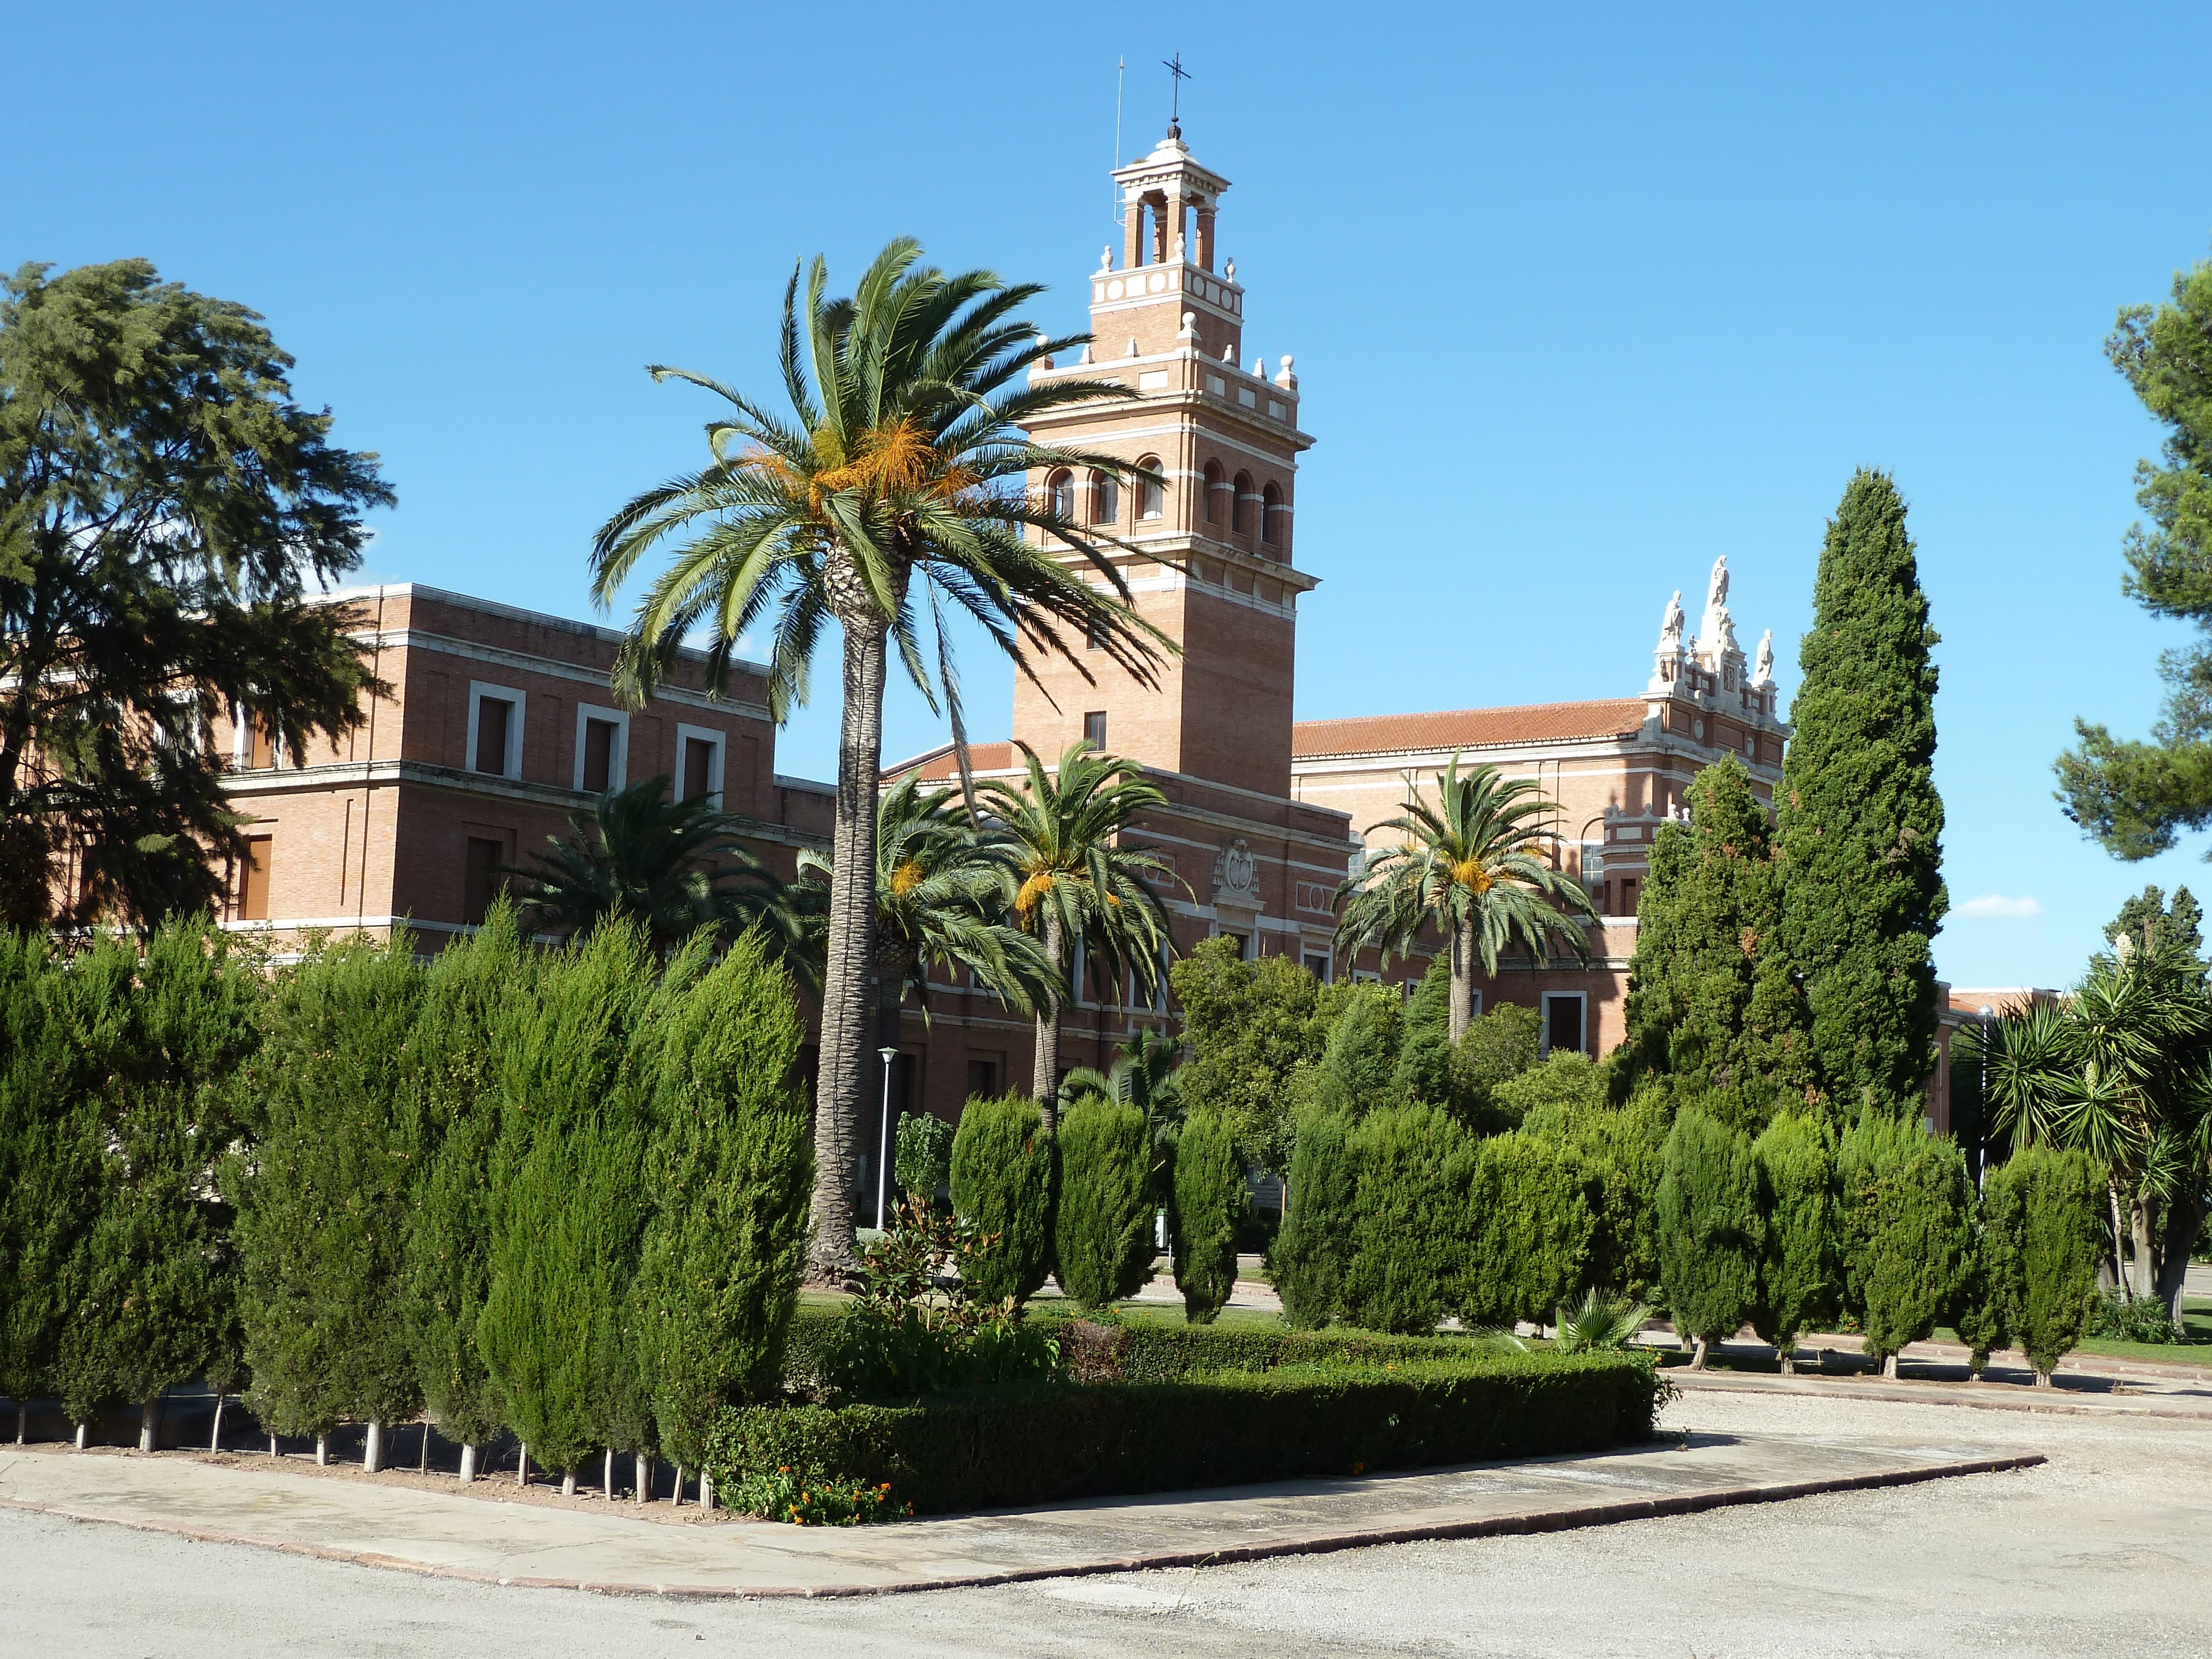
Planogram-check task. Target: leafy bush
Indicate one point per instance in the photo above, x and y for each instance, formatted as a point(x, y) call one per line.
point(1530, 1225)
point(1600, 1323)
point(2042, 1239)
point(1408, 1218)
point(1143, 1350)
point(923, 1160)
point(1102, 1228)
point(1499, 1046)
point(1047, 1443)
point(808, 1498)
point(2118, 1318)
point(1313, 1249)
point(1797, 1259)
point(1210, 1196)
point(1709, 1229)
point(1906, 1226)
point(1004, 1183)
point(1565, 1081)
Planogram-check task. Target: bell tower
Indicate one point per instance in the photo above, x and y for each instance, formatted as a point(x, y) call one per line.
point(1209, 548)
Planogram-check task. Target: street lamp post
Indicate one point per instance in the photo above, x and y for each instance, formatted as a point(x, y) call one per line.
point(884, 1134)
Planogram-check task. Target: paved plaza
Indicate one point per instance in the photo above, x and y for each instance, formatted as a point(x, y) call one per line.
point(2102, 1549)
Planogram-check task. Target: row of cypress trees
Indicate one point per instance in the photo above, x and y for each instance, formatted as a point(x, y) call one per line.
point(561, 1193)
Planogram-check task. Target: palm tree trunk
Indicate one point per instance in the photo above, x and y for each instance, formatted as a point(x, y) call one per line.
point(1462, 977)
point(2139, 1231)
point(2185, 1218)
point(842, 1073)
point(1045, 1075)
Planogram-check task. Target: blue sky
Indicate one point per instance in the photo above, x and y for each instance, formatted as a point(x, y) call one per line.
point(1578, 302)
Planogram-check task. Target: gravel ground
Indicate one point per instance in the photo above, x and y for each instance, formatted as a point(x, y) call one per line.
point(2103, 1551)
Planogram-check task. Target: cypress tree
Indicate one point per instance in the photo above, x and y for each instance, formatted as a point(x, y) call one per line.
point(1424, 1070)
point(1709, 1238)
point(324, 1200)
point(1797, 1174)
point(1004, 1181)
point(1907, 1232)
point(1313, 1249)
point(1210, 1195)
point(568, 1199)
point(1860, 823)
point(1712, 1011)
point(2043, 1238)
point(1530, 1226)
point(1359, 1063)
point(447, 1266)
point(729, 1168)
point(1102, 1227)
point(152, 1282)
point(1412, 1166)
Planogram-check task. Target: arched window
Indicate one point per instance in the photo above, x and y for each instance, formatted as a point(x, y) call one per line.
point(1271, 514)
point(1238, 514)
point(1152, 491)
point(1060, 491)
point(1214, 486)
point(1105, 498)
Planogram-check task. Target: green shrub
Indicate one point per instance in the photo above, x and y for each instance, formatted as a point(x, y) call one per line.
point(1797, 1261)
point(1529, 1223)
point(1103, 1228)
point(1210, 1196)
point(923, 1162)
point(2042, 1239)
point(1055, 1442)
point(2116, 1318)
point(1600, 1323)
point(1565, 1081)
point(1143, 1350)
point(1499, 1046)
point(1425, 1071)
point(808, 1498)
point(1004, 1183)
point(1312, 1251)
point(1410, 1167)
point(1709, 1229)
point(1906, 1228)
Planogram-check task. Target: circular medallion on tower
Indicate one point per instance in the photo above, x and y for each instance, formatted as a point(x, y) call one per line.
point(1114, 289)
point(1157, 283)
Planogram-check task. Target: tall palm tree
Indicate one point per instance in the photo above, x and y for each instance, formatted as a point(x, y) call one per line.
point(901, 457)
point(671, 866)
point(943, 891)
point(1079, 884)
point(1476, 864)
point(1146, 1075)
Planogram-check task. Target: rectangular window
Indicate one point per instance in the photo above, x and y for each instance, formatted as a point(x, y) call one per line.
point(602, 749)
point(261, 750)
point(494, 730)
point(1563, 1022)
point(982, 1078)
point(253, 880)
point(1243, 945)
point(1474, 1004)
point(1628, 896)
point(480, 881)
point(599, 755)
point(1317, 965)
point(1094, 729)
point(698, 763)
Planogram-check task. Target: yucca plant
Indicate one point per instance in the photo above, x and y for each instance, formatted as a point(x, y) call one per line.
point(1600, 1322)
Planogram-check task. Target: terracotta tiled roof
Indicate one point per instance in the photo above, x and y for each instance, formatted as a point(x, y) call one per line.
point(1467, 728)
point(938, 767)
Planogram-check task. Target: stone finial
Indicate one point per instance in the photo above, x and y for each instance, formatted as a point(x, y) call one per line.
point(1762, 668)
point(1283, 378)
point(1106, 258)
point(1175, 248)
point(1228, 352)
point(1259, 368)
point(1228, 269)
point(1133, 345)
point(1189, 329)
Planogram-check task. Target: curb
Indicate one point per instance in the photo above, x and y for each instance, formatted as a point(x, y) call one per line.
point(1502, 1526)
point(1892, 1394)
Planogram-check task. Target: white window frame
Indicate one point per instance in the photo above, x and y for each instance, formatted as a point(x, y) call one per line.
point(1474, 1004)
point(618, 761)
point(1328, 961)
point(721, 742)
point(1582, 1019)
point(478, 690)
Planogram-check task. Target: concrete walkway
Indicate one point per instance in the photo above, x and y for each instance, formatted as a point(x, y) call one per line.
point(452, 1535)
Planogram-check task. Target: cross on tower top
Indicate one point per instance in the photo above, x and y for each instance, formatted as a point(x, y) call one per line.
point(1177, 75)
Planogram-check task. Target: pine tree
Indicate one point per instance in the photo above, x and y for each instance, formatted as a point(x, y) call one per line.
point(1860, 824)
point(1796, 1172)
point(152, 1282)
point(324, 1197)
point(1312, 1251)
point(1102, 1226)
point(1906, 1225)
point(729, 1170)
point(567, 1204)
point(1005, 1184)
point(1710, 1237)
point(1712, 1011)
point(446, 1272)
point(1210, 1196)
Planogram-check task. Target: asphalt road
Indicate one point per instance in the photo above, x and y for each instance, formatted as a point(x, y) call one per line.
point(2105, 1550)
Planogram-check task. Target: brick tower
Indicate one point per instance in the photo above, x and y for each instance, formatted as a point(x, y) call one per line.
point(1210, 553)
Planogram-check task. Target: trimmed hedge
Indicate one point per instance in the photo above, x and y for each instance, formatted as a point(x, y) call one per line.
point(1048, 1443)
point(1149, 1351)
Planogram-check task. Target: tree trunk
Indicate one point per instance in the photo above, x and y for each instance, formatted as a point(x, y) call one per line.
point(2119, 1233)
point(678, 1500)
point(215, 1437)
point(1044, 1076)
point(422, 1451)
point(468, 1462)
point(1700, 1351)
point(146, 1422)
point(832, 1259)
point(1462, 979)
point(372, 1456)
point(569, 1483)
point(2139, 1239)
point(1889, 1366)
point(322, 1451)
point(644, 1478)
point(705, 1491)
point(1787, 1357)
point(2184, 1218)
point(23, 1421)
point(80, 1436)
point(2043, 1380)
point(609, 1477)
point(522, 1465)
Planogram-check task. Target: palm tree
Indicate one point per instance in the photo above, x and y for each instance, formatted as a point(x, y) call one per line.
point(1078, 883)
point(942, 890)
point(901, 457)
point(1147, 1075)
point(672, 866)
point(1476, 864)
